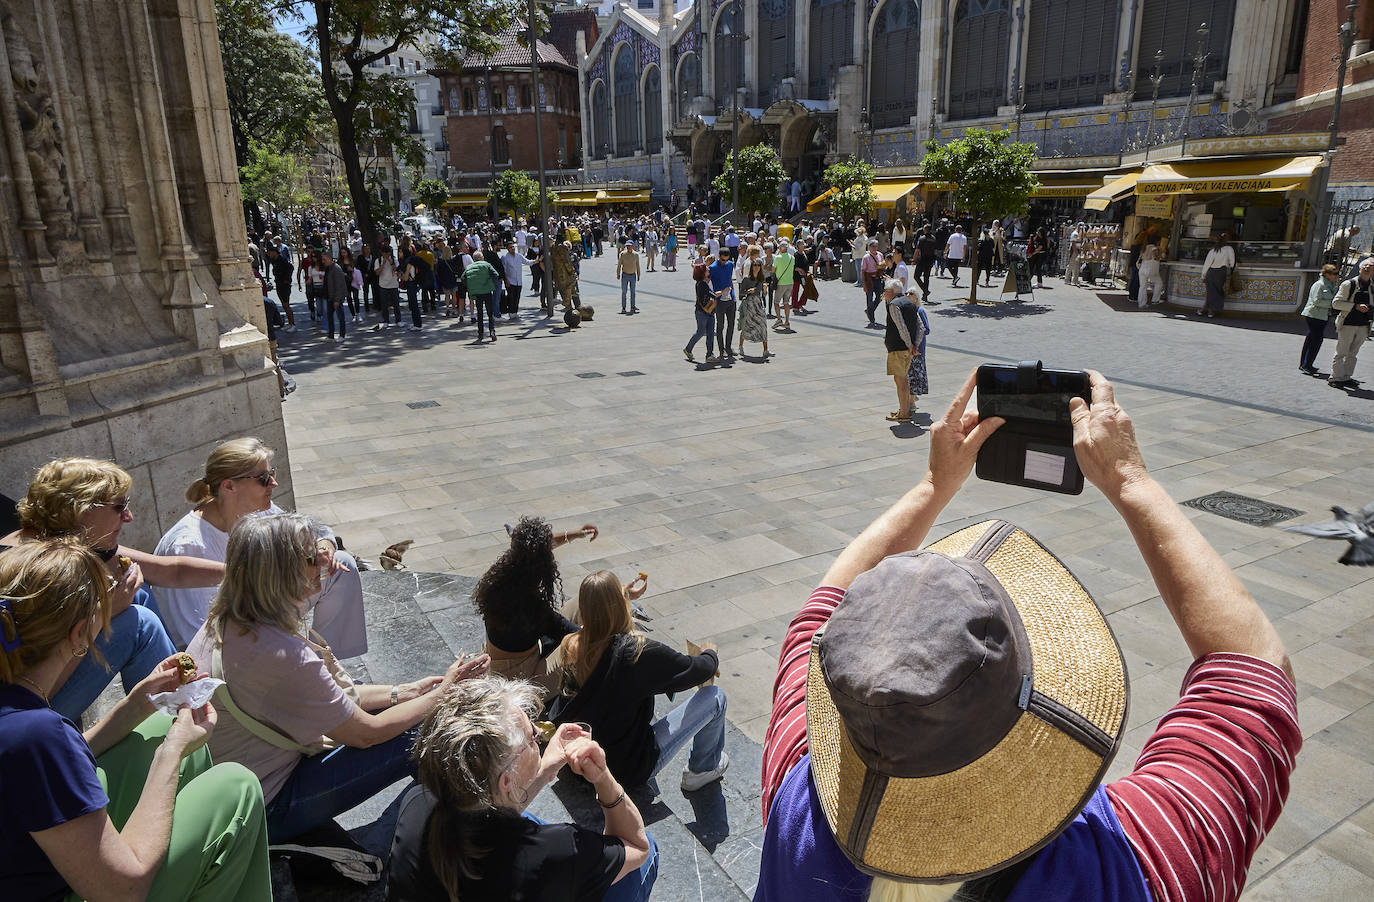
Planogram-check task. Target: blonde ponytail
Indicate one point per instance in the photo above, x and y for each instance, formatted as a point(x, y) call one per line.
point(884, 890)
point(199, 492)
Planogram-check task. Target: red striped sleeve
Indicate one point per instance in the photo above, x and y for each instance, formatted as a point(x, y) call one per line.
point(785, 743)
point(1212, 779)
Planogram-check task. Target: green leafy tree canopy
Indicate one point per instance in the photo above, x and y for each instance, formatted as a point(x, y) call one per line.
point(278, 179)
point(514, 190)
point(852, 180)
point(992, 175)
point(371, 107)
point(431, 192)
point(760, 175)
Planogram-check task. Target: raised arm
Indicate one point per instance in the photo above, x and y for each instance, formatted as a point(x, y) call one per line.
point(954, 444)
point(1213, 609)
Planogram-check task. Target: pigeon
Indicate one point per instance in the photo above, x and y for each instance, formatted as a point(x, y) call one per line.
point(391, 558)
point(1357, 529)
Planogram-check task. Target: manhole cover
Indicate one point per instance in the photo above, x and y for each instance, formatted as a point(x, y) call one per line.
point(630, 373)
point(1246, 510)
point(590, 375)
point(417, 405)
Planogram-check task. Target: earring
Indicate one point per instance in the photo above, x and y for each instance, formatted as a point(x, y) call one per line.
point(80, 652)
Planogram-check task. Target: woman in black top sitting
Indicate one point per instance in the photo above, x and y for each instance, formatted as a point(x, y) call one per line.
point(610, 675)
point(461, 834)
point(519, 598)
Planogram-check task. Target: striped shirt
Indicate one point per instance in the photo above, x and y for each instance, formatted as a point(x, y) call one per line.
point(1207, 787)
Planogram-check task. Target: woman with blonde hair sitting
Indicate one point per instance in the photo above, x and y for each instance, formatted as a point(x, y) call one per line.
point(237, 483)
point(288, 699)
point(463, 834)
point(610, 675)
point(91, 500)
point(132, 809)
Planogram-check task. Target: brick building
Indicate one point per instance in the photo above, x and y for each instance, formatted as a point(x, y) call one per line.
point(488, 104)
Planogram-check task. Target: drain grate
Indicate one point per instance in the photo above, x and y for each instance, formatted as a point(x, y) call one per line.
point(590, 375)
point(630, 373)
point(1243, 508)
point(419, 405)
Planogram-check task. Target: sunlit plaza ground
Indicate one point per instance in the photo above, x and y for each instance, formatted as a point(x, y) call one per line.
point(734, 487)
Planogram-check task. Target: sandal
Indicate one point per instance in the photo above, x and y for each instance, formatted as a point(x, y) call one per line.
point(896, 416)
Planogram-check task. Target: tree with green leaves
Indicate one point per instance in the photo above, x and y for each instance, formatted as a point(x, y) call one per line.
point(514, 190)
point(760, 175)
point(992, 176)
point(370, 106)
point(280, 180)
point(852, 181)
point(431, 192)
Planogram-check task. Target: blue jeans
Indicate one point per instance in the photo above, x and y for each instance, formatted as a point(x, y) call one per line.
point(634, 887)
point(702, 720)
point(485, 303)
point(706, 326)
point(627, 283)
point(328, 312)
point(413, 301)
point(137, 643)
point(330, 783)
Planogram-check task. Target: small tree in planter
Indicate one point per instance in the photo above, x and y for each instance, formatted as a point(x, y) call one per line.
point(992, 176)
point(514, 190)
point(760, 176)
point(852, 181)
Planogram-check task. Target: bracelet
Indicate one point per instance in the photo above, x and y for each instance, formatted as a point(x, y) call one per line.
point(395, 694)
point(618, 799)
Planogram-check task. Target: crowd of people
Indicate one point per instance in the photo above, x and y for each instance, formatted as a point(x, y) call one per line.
point(942, 715)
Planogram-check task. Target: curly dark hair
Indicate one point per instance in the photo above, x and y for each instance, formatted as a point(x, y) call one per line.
point(523, 585)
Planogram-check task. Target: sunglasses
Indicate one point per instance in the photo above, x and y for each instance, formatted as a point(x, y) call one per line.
point(117, 506)
point(264, 478)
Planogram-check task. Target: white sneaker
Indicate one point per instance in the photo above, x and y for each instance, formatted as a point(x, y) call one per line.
point(291, 328)
point(415, 328)
point(692, 780)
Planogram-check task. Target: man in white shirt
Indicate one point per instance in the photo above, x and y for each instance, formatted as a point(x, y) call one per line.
point(521, 237)
point(956, 249)
point(713, 245)
point(1077, 238)
point(513, 265)
point(899, 269)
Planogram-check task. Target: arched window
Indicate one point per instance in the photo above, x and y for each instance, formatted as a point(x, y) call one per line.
point(775, 47)
point(453, 99)
point(978, 58)
point(525, 97)
point(500, 145)
point(1171, 26)
point(729, 47)
point(653, 111)
point(1071, 53)
point(601, 121)
point(510, 97)
point(467, 99)
point(832, 43)
point(627, 139)
point(688, 82)
point(897, 42)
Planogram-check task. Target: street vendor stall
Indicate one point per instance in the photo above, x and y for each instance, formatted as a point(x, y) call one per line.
point(1262, 203)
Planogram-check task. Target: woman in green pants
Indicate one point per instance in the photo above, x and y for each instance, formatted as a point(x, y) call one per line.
point(132, 809)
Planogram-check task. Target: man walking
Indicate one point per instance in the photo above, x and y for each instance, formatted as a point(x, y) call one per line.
point(925, 262)
point(282, 270)
point(336, 294)
point(388, 285)
point(956, 249)
point(480, 279)
point(1077, 238)
point(872, 284)
point(513, 263)
point(1352, 325)
point(722, 276)
point(627, 271)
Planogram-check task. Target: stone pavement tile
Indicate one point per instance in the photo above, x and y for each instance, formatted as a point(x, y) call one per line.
point(1322, 664)
point(1312, 874)
point(1351, 844)
point(1320, 758)
point(1316, 714)
point(1352, 693)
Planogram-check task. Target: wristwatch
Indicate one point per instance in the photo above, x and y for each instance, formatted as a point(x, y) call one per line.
point(395, 694)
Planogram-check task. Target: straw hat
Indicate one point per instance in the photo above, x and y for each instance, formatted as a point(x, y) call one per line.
point(962, 705)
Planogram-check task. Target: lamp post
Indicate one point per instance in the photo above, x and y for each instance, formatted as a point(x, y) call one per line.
point(1156, 79)
point(545, 294)
point(1020, 108)
point(730, 28)
point(1199, 60)
point(1347, 39)
point(491, 141)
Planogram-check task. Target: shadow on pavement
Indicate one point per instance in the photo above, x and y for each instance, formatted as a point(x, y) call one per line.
point(992, 310)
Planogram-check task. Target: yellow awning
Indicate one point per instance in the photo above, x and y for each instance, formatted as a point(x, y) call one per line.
point(816, 203)
point(622, 197)
point(1217, 176)
point(1074, 187)
point(886, 192)
point(575, 198)
point(1115, 189)
point(466, 200)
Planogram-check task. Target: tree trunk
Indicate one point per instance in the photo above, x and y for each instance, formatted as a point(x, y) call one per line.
point(343, 110)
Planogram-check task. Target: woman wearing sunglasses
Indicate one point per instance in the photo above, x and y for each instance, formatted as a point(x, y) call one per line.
point(237, 483)
point(79, 496)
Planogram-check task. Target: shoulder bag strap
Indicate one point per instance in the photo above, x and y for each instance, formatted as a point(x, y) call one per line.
point(256, 727)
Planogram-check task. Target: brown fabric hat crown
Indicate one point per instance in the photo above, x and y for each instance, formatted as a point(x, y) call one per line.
point(963, 702)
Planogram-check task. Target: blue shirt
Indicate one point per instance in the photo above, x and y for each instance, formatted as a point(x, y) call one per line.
point(47, 778)
point(722, 274)
point(1090, 859)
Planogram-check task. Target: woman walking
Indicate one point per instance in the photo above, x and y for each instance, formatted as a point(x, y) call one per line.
point(670, 250)
point(917, 380)
point(1221, 259)
point(986, 249)
point(1316, 313)
point(752, 284)
point(1038, 253)
point(445, 277)
point(705, 309)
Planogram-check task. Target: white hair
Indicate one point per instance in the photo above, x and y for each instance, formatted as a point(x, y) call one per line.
point(893, 286)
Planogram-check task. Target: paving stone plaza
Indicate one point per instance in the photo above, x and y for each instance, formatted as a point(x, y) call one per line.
point(734, 488)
